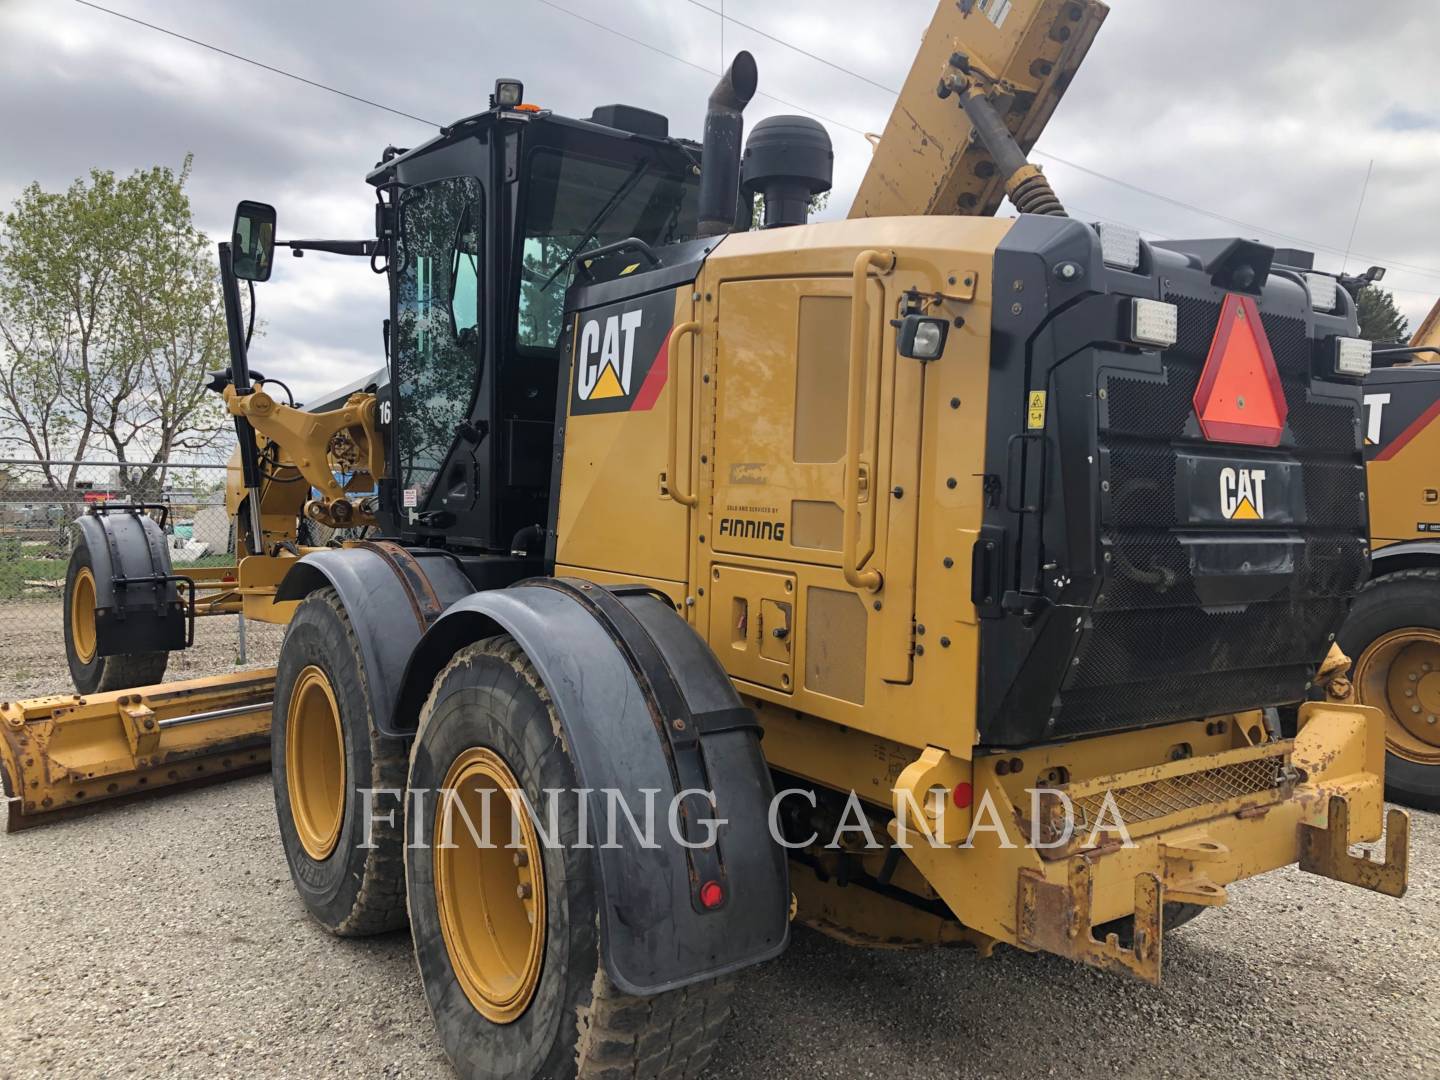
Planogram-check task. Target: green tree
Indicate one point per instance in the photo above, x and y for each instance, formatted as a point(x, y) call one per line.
point(757, 216)
point(1380, 319)
point(110, 316)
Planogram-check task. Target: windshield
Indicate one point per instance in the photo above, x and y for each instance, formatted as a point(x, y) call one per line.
point(577, 204)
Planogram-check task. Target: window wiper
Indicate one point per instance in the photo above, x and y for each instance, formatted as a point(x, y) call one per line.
point(598, 221)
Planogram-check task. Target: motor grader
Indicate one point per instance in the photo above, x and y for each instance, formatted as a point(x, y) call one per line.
point(1394, 629)
point(942, 574)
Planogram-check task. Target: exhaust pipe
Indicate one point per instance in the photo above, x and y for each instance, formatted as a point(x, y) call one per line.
point(724, 128)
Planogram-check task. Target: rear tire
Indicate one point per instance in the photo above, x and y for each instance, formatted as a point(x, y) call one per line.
point(350, 889)
point(92, 673)
point(573, 1022)
point(1407, 600)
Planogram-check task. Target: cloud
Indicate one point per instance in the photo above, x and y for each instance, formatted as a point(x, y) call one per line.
point(1240, 109)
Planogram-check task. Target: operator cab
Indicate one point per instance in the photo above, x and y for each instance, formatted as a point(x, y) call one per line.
point(484, 224)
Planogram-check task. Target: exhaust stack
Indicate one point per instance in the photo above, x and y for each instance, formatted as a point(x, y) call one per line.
point(724, 128)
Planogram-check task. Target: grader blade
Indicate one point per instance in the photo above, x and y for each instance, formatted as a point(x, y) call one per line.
point(66, 752)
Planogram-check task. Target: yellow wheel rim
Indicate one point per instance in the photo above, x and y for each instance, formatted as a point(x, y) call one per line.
point(315, 763)
point(82, 615)
point(1399, 673)
point(489, 885)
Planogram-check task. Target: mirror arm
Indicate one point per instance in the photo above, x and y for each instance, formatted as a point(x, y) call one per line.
point(240, 380)
point(364, 248)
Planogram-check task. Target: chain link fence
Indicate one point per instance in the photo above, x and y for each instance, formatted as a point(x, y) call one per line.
point(39, 502)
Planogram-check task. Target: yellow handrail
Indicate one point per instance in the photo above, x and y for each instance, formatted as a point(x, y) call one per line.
point(672, 476)
point(864, 371)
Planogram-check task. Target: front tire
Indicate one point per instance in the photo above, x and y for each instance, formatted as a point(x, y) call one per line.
point(92, 673)
point(1393, 635)
point(509, 948)
point(324, 751)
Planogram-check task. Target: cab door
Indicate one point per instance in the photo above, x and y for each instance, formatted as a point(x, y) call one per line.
point(439, 346)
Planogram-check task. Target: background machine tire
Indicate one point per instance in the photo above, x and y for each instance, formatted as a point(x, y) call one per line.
point(92, 673)
point(489, 712)
point(323, 751)
point(1392, 633)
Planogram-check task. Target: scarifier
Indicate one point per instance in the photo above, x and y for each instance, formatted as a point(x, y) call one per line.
point(948, 508)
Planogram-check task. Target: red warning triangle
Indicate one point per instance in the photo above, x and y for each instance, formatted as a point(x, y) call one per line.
point(1240, 398)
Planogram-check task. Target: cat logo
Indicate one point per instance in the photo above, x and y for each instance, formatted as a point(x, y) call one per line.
point(1242, 494)
point(606, 358)
point(620, 356)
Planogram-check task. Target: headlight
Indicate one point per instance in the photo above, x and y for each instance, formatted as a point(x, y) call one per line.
point(1119, 245)
point(508, 94)
point(1353, 357)
point(921, 337)
point(1324, 291)
point(1154, 322)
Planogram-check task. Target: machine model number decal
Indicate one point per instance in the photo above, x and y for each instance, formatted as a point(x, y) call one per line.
point(621, 361)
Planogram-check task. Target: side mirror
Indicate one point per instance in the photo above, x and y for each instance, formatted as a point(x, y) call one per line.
point(252, 241)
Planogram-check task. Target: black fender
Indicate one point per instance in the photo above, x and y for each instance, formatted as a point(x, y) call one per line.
point(392, 595)
point(645, 704)
point(1406, 555)
point(138, 608)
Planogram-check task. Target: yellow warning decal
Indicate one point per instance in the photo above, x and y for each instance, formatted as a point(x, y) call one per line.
point(1035, 418)
point(630, 269)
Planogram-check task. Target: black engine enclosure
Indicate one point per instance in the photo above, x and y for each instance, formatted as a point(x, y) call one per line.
point(1107, 599)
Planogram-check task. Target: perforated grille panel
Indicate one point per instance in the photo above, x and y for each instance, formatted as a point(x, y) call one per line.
point(1176, 794)
point(1159, 646)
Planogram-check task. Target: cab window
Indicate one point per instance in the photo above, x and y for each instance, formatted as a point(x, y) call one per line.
point(576, 204)
point(438, 352)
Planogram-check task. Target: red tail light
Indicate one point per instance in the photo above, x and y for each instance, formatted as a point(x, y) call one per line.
point(1240, 398)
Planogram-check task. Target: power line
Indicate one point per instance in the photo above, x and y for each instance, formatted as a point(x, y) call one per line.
point(691, 63)
point(792, 47)
point(1429, 271)
point(1190, 207)
point(256, 63)
point(1358, 208)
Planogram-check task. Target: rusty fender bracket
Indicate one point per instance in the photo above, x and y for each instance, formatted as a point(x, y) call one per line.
point(69, 752)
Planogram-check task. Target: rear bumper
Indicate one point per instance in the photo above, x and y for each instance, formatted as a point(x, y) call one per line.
point(1186, 830)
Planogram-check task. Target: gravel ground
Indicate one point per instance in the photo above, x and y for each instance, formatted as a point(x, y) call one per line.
point(32, 649)
point(164, 937)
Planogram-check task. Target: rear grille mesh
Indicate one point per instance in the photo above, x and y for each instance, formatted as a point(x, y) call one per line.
point(1176, 794)
point(1151, 652)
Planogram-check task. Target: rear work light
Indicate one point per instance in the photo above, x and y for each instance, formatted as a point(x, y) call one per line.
point(1324, 291)
point(1353, 357)
point(1119, 246)
point(1240, 398)
point(1154, 322)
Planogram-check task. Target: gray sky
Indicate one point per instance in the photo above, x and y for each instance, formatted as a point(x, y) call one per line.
point(1265, 112)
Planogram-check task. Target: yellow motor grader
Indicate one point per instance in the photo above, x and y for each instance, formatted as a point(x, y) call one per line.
point(1393, 630)
point(926, 579)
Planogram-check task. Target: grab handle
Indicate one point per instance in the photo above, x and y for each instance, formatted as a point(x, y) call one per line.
point(864, 372)
point(672, 477)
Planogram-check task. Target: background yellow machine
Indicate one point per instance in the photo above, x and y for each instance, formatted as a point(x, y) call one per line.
point(1394, 629)
point(1009, 536)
